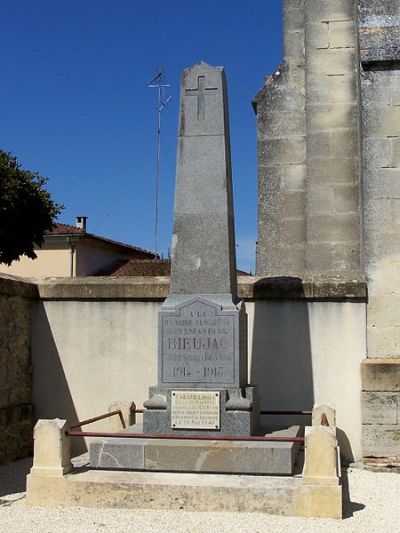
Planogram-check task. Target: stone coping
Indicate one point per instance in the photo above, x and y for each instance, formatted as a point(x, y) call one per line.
point(15, 286)
point(157, 288)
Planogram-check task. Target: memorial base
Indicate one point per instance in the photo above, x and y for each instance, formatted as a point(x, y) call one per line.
point(206, 456)
point(238, 413)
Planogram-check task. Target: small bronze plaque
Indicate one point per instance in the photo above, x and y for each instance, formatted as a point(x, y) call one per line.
point(195, 409)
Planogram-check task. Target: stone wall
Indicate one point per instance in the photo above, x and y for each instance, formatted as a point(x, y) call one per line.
point(281, 123)
point(308, 140)
point(381, 412)
point(379, 27)
point(15, 369)
point(333, 198)
point(95, 341)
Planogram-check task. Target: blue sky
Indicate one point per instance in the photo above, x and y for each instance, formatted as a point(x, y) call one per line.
point(75, 105)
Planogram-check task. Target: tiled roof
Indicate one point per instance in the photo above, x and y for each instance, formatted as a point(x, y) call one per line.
point(138, 267)
point(67, 229)
point(64, 229)
point(142, 267)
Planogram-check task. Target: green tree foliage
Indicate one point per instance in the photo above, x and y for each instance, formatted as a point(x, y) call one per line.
point(26, 210)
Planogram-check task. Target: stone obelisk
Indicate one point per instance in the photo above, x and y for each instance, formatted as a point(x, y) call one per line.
point(202, 349)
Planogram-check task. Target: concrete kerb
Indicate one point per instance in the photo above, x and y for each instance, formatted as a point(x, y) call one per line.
point(52, 482)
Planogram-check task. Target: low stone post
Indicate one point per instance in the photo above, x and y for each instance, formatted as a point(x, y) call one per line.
point(128, 416)
point(323, 415)
point(51, 455)
point(321, 463)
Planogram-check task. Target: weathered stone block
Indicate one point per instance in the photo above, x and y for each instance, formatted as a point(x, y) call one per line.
point(331, 62)
point(344, 143)
point(51, 456)
point(383, 310)
point(319, 257)
point(383, 121)
point(333, 170)
point(321, 457)
point(293, 16)
point(284, 124)
point(294, 231)
point(386, 183)
point(294, 47)
point(380, 407)
point(346, 198)
point(329, 10)
point(293, 204)
point(377, 152)
point(334, 228)
point(381, 440)
point(380, 375)
point(290, 150)
point(318, 35)
point(293, 177)
point(332, 89)
point(378, 216)
point(376, 89)
point(320, 199)
point(332, 116)
point(346, 256)
point(382, 340)
point(239, 457)
point(342, 34)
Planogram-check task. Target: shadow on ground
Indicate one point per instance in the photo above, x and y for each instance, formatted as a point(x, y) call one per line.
point(13, 479)
point(349, 507)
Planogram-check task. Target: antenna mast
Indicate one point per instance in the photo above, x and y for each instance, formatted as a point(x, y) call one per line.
point(158, 83)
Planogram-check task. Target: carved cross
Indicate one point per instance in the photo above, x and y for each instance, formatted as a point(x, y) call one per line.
point(199, 91)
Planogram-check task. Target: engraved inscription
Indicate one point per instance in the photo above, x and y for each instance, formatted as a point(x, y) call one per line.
point(197, 345)
point(195, 410)
point(199, 91)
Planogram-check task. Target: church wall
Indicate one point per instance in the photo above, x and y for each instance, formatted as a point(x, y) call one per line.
point(308, 146)
point(351, 180)
point(332, 198)
point(380, 94)
point(281, 156)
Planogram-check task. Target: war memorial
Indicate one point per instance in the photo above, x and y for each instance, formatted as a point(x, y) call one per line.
point(242, 393)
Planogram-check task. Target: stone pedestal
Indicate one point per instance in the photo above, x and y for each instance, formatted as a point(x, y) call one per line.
point(197, 455)
point(238, 411)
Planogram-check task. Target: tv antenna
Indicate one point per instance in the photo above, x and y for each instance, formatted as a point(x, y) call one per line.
point(157, 82)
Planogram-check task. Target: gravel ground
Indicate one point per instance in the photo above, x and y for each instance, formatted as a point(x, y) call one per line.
point(372, 504)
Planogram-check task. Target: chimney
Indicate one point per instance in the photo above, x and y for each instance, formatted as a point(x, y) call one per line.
point(81, 223)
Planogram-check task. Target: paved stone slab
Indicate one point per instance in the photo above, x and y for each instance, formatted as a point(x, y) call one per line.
point(239, 457)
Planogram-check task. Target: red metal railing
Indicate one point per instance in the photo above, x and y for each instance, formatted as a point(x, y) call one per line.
point(303, 413)
point(181, 437)
point(100, 417)
point(161, 436)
